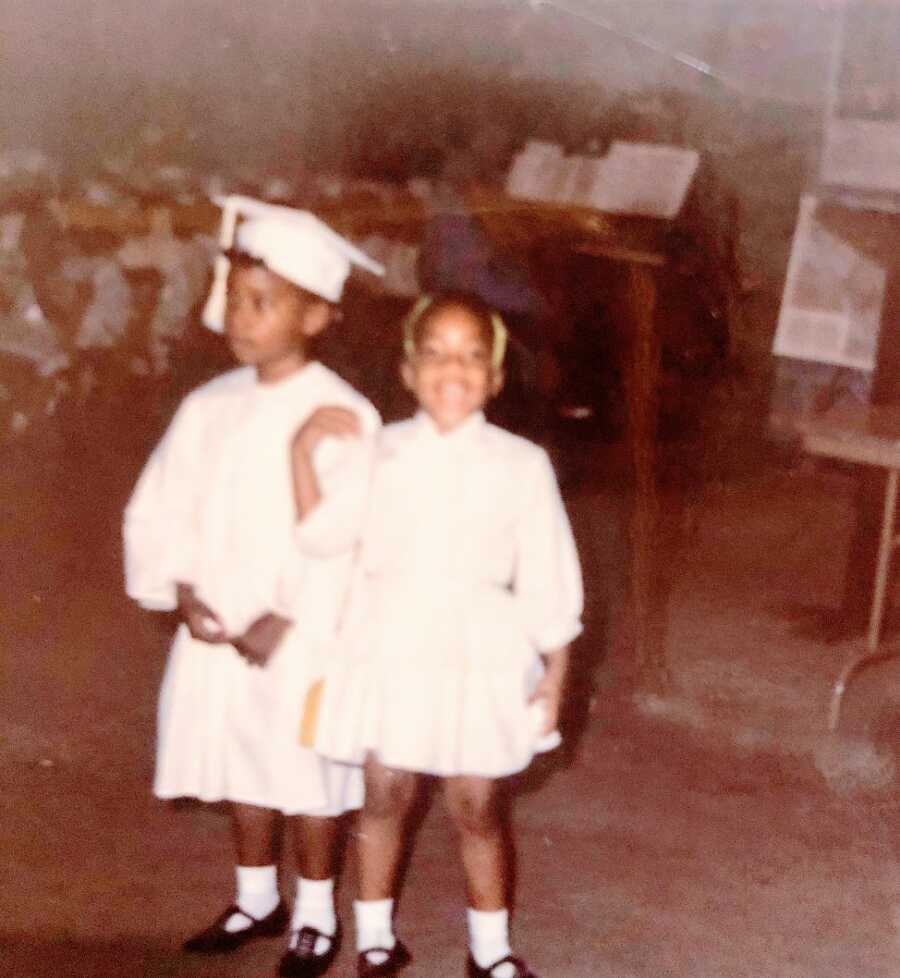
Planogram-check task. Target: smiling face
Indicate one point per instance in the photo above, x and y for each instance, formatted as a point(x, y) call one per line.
point(450, 373)
point(268, 321)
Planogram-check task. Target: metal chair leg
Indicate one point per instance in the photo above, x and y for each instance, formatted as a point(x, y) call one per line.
point(885, 547)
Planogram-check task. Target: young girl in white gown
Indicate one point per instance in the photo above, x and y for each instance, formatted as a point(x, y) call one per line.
point(453, 652)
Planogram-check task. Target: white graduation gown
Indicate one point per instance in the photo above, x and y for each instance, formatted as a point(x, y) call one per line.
point(468, 570)
point(214, 507)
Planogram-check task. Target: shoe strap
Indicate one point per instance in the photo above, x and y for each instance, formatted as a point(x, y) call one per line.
point(307, 938)
point(522, 970)
point(388, 952)
point(394, 957)
point(229, 912)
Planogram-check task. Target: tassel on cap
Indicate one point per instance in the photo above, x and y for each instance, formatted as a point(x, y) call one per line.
point(292, 243)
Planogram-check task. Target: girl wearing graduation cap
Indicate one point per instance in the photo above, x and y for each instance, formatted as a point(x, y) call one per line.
point(452, 656)
point(244, 522)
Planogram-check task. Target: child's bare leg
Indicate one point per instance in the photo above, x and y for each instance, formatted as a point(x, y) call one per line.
point(476, 807)
point(389, 797)
point(476, 810)
point(315, 845)
point(258, 905)
point(254, 834)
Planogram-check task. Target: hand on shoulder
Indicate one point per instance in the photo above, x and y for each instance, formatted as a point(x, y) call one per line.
point(328, 421)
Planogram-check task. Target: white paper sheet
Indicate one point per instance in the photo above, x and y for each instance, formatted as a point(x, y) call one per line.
point(831, 306)
point(648, 179)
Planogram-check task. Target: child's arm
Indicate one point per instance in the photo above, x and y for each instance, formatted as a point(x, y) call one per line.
point(548, 574)
point(320, 533)
point(261, 639)
point(202, 622)
point(548, 580)
point(159, 525)
point(331, 493)
point(324, 422)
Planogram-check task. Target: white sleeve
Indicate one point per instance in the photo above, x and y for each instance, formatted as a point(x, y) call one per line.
point(344, 470)
point(159, 528)
point(547, 584)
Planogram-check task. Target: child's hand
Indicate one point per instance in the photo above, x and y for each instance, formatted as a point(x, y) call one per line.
point(261, 639)
point(549, 690)
point(202, 622)
point(326, 422)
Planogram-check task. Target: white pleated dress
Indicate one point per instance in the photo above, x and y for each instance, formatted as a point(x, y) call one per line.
point(467, 571)
point(214, 507)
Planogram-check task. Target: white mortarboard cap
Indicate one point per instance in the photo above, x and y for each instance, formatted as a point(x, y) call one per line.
point(292, 243)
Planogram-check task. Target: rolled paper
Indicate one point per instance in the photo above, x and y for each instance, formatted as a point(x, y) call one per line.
point(309, 720)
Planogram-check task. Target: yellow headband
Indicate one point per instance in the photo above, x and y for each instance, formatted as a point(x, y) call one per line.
point(501, 334)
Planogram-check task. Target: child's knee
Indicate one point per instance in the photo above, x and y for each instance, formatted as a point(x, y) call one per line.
point(389, 793)
point(475, 810)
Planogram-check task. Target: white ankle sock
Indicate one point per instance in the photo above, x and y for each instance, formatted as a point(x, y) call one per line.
point(314, 907)
point(374, 927)
point(257, 895)
point(489, 939)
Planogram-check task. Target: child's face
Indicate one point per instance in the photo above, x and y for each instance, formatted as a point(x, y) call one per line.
point(451, 374)
point(268, 322)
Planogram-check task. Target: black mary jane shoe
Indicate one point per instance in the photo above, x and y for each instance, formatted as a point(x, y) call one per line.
point(397, 957)
point(522, 969)
point(217, 940)
point(301, 960)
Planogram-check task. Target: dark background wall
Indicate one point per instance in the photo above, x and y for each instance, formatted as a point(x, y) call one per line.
point(76, 73)
point(383, 87)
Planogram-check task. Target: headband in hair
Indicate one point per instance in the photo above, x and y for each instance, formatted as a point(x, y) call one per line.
point(501, 334)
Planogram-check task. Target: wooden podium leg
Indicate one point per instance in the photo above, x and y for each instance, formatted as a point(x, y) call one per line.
point(643, 403)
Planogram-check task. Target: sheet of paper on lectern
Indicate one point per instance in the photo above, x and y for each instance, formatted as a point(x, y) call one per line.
point(649, 179)
point(570, 179)
point(536, 172)
point(645, 179)
point(831, 305)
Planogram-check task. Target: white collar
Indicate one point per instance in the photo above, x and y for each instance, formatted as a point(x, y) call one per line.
point(307, 371)
point(465, 431)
